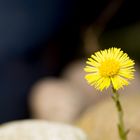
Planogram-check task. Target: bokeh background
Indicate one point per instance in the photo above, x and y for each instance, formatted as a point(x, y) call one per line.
point(43, 45)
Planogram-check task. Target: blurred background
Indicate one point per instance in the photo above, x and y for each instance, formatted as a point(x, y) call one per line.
point(43, 45)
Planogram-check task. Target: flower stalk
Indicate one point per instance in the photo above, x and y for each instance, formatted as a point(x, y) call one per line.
point(111, 67)
point(121, 128)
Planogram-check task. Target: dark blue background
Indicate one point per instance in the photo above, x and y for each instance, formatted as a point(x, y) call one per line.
point(28, 30)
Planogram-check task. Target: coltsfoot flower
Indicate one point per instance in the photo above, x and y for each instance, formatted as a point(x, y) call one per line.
point(109, 67)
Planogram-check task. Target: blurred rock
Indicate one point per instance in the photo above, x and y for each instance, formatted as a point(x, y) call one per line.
point(100, 121)
point(39, 130)
point(55, 99)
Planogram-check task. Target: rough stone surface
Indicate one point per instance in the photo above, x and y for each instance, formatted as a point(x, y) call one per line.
point(39, 130)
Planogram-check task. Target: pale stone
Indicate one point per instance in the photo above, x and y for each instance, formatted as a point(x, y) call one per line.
point(39, 130)
point(56, 100)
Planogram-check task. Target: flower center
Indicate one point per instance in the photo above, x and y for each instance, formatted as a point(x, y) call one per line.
point(109, 68)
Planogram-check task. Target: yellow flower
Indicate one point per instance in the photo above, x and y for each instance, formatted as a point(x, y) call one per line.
point(109, 67)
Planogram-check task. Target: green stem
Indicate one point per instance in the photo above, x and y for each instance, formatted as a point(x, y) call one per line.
point(121, 128)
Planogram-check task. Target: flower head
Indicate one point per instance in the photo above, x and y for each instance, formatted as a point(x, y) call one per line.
point(109, 67)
